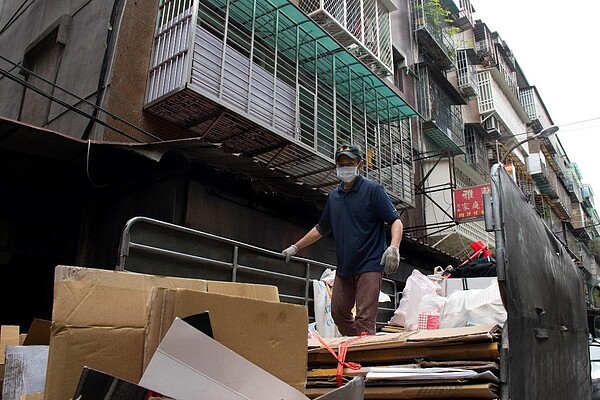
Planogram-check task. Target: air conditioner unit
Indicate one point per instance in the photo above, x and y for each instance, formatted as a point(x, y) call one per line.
point(492, 126)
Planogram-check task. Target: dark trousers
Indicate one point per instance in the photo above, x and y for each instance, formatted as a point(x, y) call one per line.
point(362, 290)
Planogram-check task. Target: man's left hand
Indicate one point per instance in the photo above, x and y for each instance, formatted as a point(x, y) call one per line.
point(391, 259)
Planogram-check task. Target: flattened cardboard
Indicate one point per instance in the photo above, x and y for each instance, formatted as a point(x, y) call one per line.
point(25, 370)
point(436, 337)
point(268, 334)
point(466, 343)
point(99, 318)
point(188, 365)
point(462, 334)
point(479, 391)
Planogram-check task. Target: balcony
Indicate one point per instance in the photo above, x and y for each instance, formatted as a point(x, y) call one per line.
point(535, 109)
point(433, 33)
point(364, 29)
point(549, 185)
point(575, 189)
point(466, 73)
point(496, 98)
point(439, 105)
point(494, 54)
point(263, 81)
point(544, 176)
point(463, 16)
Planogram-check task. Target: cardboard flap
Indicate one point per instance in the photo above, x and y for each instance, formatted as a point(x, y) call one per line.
point(38, 333)
point(234, 319)
point(190, 365)
point(251, 290)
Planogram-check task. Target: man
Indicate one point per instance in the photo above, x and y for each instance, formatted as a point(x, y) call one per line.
point(355, 213)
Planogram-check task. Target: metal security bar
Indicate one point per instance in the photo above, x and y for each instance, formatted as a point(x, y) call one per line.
point(155, 247)
point(262, 79)
point(361, 25)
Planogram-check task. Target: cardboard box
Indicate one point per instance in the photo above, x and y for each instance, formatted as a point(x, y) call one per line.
point(271, 335)
point(99, 318)
point(9, 336)
point(190, 365)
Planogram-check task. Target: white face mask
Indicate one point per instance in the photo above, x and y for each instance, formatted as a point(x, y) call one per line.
point(347, 174)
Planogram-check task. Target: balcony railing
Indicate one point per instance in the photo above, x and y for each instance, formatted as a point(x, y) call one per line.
point(433, 32)
point(260, 79)
point(466, 73)
point(442, 117)
point(544, 176)
point(463, 18)
point(361, 27)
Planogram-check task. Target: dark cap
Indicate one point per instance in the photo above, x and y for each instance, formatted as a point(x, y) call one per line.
point(348, 150)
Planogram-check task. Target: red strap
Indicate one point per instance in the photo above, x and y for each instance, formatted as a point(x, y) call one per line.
point(341, 357)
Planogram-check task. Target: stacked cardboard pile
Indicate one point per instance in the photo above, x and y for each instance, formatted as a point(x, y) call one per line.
point(113, 322)
point(429, 364)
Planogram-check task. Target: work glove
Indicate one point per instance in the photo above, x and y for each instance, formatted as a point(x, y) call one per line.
point(289, 252)
point(391, 259)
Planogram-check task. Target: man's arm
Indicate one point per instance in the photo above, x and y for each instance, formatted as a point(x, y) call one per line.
point(311, 236)
point(396, 230)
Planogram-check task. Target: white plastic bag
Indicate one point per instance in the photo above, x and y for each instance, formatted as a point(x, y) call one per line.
point(417, 287)
point(474, 307)
point(322, 305)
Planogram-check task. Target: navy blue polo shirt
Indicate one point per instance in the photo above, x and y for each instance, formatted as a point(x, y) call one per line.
point(356, 219)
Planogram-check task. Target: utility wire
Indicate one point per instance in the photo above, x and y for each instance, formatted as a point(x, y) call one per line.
point(103, 70)
point(62, 103)
point(15, 16)
point(582, 121)
point(53, 98)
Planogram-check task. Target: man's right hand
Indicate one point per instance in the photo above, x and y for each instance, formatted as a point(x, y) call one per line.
point(289, 252)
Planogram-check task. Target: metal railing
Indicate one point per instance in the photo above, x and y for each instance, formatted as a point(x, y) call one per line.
point(155, 247)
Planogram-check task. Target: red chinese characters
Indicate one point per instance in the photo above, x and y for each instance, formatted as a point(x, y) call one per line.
point(468, 202)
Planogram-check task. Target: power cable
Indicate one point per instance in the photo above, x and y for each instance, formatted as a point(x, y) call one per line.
point(581, 121)
point(103, 70)
point(53, 98)
point(15, 16)
point(62, 103)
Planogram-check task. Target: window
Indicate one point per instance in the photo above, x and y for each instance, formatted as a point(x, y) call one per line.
point(43, 60)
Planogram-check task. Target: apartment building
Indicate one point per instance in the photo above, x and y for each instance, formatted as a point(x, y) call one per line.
point(496, 110)
point(223, 116)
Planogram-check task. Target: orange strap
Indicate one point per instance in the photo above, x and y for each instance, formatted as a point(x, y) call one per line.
point(341, 356)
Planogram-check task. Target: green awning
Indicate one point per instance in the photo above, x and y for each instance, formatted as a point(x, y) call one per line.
point(308, 41)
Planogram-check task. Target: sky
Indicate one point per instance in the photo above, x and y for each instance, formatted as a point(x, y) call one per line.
point(557, 45)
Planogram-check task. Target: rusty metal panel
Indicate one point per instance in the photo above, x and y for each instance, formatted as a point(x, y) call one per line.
point(547, 348)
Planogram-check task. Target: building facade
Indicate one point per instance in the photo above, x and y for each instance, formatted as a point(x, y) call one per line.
point(224, 116)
